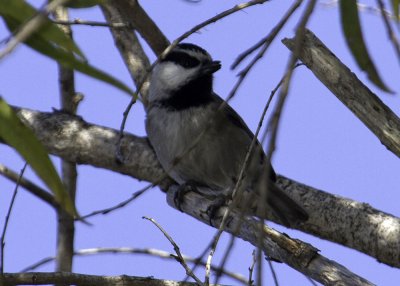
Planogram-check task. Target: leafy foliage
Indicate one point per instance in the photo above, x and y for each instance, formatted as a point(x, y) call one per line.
point(20, 137)
point(354, 38)
point(51, 41)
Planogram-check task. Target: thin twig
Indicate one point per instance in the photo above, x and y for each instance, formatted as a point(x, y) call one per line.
point(90, 23)
point(217, 17)
point(267, 40)
point(134, 196)
point(29, 186)
point(362, 8)
point(228, 252)
point(311, 281)
point(7, 219)
point(255, 137)
point(143, 251)
point(259, 252)
point(200, 259)
point(262, 206)
point(179, 256)
point(389, 29)
point(274, 276)
point(31, 26)
point(250, 282)
point(242, 171)
point(274, 123)
point(276, 115)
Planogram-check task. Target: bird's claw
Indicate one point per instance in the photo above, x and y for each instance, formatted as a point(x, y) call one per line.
point(213, 208)
point(182, 191)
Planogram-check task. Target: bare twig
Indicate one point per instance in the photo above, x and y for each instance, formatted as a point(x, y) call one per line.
point(142, 251)
point(274, 276)
point(250, 281)
point(214, 19)
point(200, 259)
point(90, 23)
point(179, 256)
point(274, 123)
point(362, 8)
point(225, 257)
point(311, 281)
point(7, 219)
point(391, 34)
point(29, 186)
point(267, 40)
point(121, 204)
point(243, 168)
point(31, 26)
point(276, 116)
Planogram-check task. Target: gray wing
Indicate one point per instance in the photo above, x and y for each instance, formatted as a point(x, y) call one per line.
point(218, 158)
point(233, 117)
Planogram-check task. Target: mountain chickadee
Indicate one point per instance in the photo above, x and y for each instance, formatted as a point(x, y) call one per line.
point(204, 147)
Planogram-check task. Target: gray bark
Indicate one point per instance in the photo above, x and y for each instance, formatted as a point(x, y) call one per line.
point(66, 278)
point(295, 253)
point(345, 85)
point(334, 218)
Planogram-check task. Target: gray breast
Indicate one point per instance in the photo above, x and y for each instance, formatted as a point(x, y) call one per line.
point(213, 160)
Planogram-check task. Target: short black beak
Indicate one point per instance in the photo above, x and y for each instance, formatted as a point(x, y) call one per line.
point(211, 67)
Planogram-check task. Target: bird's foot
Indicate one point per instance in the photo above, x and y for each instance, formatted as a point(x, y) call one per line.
point(182, 190)
point(213, 208)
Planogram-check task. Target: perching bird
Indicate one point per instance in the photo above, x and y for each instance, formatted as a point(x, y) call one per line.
point(201, 146)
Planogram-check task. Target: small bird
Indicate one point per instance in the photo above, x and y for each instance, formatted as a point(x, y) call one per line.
point(203, 146)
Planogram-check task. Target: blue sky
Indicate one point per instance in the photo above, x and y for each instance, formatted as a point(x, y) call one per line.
point(321, 143)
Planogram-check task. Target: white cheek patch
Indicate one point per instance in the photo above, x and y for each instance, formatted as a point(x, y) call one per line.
point(174, 76)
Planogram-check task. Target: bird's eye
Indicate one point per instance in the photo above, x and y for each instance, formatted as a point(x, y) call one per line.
point(189, 62)
point(182, 59)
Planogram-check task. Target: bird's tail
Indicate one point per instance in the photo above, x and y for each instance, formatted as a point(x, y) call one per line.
point(279, 206)
point(283, 207)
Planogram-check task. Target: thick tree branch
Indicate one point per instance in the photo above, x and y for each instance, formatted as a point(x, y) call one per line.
point(66, 278)
point(295, 253)
point(132, 13)
point(70, 137)
point(345, 85)
point(347, 222)
point(337, 219)
point(135, 59)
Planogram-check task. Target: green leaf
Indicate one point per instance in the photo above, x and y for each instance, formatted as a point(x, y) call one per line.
point(395, 8)
point(48, 41)
point(20, 137)
point(68, 60)
point(83, 3)
point(18, 12)
point(354, 38)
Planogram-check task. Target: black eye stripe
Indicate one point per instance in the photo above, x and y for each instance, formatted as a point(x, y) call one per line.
point(182, 59)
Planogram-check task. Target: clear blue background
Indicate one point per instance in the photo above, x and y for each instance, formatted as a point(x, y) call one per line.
point(321, 143)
